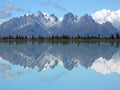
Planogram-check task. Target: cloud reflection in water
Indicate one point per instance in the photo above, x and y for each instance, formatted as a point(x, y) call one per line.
point(100, 56)
point(7, 73)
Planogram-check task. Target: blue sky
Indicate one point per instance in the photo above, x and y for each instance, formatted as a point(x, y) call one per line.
point(16, 8)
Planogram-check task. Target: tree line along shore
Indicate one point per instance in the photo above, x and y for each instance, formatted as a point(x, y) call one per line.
point(62, 38)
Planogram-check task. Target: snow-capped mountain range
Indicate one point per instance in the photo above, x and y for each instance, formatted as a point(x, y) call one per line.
point(104, 22)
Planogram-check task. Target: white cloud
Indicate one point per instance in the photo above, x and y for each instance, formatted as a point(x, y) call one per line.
point(105, 67)
point(6, 72)
point(54, 78)
point(7, 9)
point(104, 15)
point(56, 5)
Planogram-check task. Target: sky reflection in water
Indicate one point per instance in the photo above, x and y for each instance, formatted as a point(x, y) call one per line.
point(61, 66)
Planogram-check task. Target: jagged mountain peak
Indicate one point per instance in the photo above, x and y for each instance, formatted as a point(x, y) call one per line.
point(69, 18)
point(69, 15)
point(87, 18)
point(107, 23)
point(39, 13)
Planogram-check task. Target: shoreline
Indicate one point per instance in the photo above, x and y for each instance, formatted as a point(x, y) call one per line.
point(60, 40)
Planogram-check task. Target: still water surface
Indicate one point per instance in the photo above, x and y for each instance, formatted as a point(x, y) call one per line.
point(60, 66)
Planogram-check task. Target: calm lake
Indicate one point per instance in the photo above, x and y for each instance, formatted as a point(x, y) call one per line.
point(59, 66)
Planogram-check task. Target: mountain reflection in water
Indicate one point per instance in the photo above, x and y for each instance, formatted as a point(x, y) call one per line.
point(100, 56)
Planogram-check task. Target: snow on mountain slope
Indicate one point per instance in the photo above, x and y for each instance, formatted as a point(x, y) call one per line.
point(34, 24)
point(105, 15)
point(47, 25)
